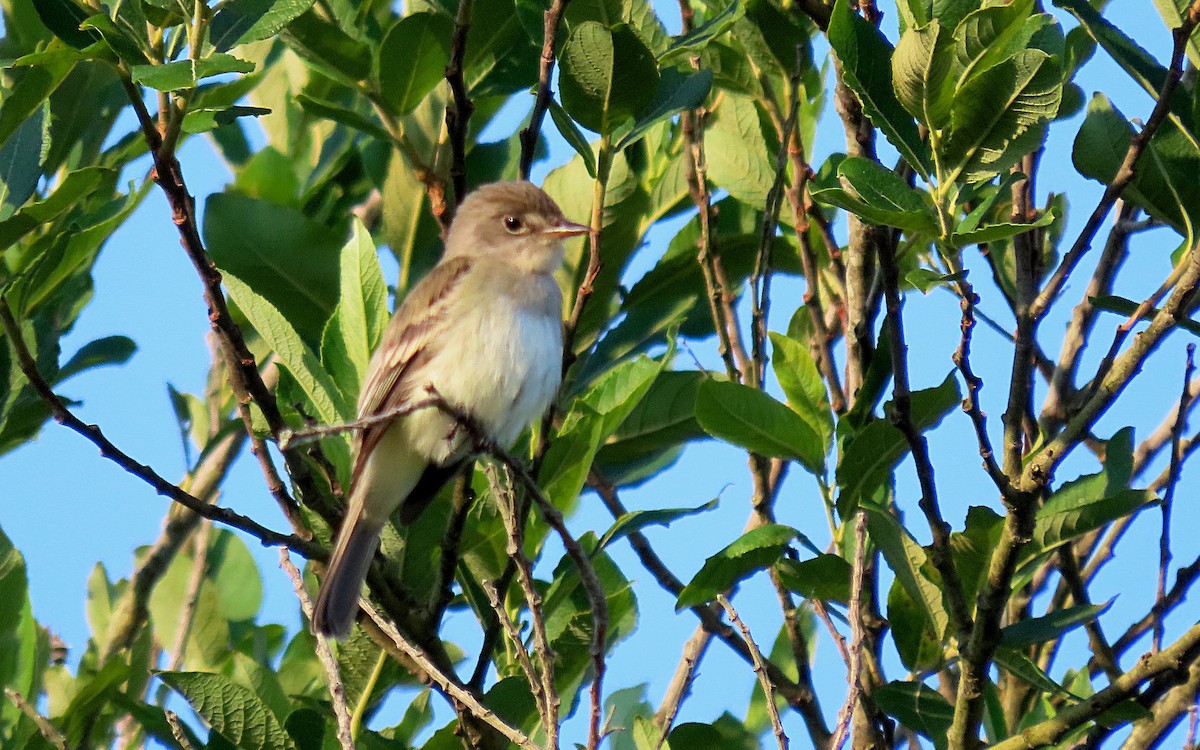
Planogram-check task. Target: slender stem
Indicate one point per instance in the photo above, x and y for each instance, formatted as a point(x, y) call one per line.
point(760, 669)
point(458, 115)
point(529, 136)
point(1164, 540)
point(337, 688)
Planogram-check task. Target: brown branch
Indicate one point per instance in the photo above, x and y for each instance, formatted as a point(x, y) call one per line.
point(1083, 320)
point(760, 277)
point(445, 682)
point(1172, 662)
point(1166, 712)
point(187, 614)
point(760, 669)
point(133, 610)
point(901, 417)
point(536, 687)
point(1125, 173)
point(1164, 539)
point(529, 136)
point(857, 629)
point(970, 404)
point(462, 498)
point(680, 686)
point(44, 726)
point(337, 689)
point(458, 115)
point(244, 377)
point(108, 450)
point(514, 520)
point(800, 696)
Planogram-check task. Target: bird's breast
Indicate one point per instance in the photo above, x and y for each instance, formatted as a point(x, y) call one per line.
point(502, 363)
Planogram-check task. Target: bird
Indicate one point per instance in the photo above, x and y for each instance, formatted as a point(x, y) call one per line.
point(483, 331)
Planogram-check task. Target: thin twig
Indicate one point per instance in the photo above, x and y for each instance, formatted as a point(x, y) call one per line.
point(592, 586)
point(187, 615)
point(801, 696)
point(536, 688)
point(1125, 173)
point(760, 278)
point(529, 136)
point(462, 498)
point(680, 686)
point(1164, 539)
point(506, 502)
point(337, 688)
point(857, 628)
point(458, 115)
point(447, 683)
point(1170, 661)
point(970, 404)
point(48, 731)
point(108, 450)
point(760, 670)
point(177, 730)
point(901, 417)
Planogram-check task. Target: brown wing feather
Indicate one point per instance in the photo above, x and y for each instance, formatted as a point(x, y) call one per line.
point(389, 384)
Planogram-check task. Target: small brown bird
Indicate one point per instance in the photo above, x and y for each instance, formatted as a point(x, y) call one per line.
point(484, 329)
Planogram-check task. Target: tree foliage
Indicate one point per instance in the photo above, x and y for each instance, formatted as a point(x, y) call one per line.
point(352, 129)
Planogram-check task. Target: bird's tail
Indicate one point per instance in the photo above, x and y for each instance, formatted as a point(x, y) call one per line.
point(337, 601)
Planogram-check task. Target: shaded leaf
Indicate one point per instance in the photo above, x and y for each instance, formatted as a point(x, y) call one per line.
point(755, 550)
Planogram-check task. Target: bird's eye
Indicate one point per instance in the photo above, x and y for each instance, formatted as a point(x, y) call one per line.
point(513, 224)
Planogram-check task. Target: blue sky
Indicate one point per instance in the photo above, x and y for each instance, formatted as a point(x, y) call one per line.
point(67, 508)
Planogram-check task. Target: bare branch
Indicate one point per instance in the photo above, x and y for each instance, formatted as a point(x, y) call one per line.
point(1164, 540)
point(337, 689)
point(760, 669)
point(680, 686)
point(1125, 173)
point(1173, 662)
point(65, 417)
point(48, 731)
point(458, 115)
point(529, 136)
point(445, 682)
point(857, 628)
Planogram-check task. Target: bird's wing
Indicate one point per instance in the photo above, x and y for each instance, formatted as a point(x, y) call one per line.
point(393, 378)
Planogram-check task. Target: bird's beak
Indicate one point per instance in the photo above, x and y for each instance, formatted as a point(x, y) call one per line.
point(566, 229)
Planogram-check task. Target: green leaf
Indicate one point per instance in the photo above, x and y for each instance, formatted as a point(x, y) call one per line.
point(824, 577)
point(71, 190)
point(231, 709)
point(109, 350)
point(185, 74)
point(921, 72)
point(880, 196)
point(1061, 520)
point(348, 117)
point(566, 126)
point(925, 279)
point(285, 257)
point(677, 92)
point(1161, 184)
point(755, 550)
point(1000, 115)
point(412, 60)
point(874, 450)
point(362, 313)
point(208, 118)
point(243, 21)
point(916, 706)
point(1145, 70)
point(995, 232)
point(1050, 626)
point(866, 58)
point(328, 48)
point(17, 633)
point(35, 86)
point(664, 419)
point(751, 419)
point(802, 384)
point(909, 562)
point(64, 17)
point(914, 635)
point(608, 76)
point(1172, 12)
point(990, 35)
point(737, 153)
point(293, 353)
point(1015, 662)
point(640, 519)
point(698, 38)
